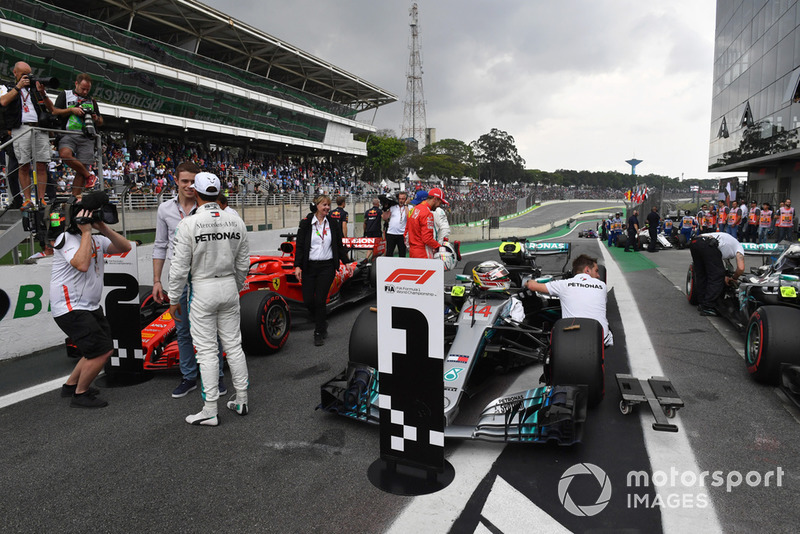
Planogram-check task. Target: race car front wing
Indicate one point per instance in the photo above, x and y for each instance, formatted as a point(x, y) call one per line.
point(539, 415)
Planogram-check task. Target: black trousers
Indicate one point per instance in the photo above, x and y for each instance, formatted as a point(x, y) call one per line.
point(395, 240)
point(317, 280)
point(633, 241)
point(709, 271)
point(653, 245)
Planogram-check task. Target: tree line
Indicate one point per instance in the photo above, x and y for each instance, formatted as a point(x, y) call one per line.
point(492, 157)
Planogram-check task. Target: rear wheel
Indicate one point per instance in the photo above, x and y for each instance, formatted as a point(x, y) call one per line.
point(691, 294)
point(265, 322)
point(576, 356)
point(363, 346)
point(621, 240)
point(681, 240)
point(773, 335)
point(643, 241)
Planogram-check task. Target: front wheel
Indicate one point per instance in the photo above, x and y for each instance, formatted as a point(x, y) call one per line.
point(363, 346)
point(265, 322)
point(577, 356)
point(773, 336)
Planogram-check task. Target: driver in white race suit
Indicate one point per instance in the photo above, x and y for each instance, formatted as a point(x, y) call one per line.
point(211, 253)
point(583, 295)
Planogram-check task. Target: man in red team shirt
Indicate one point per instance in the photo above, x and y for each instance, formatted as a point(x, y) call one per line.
point(421, 242)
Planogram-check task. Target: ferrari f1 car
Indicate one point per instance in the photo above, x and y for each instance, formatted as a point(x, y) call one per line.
point(270, 299)
point(492, 327)
point(766, 306)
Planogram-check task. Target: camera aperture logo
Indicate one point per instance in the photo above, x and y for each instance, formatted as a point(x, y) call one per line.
point(587, 510)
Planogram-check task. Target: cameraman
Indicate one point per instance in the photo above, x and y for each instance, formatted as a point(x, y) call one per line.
point(396, 216)
point(23, 112)
point(76, 288)
point(73, 107)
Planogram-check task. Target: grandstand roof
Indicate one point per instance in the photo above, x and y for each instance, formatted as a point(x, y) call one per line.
point(208, 32)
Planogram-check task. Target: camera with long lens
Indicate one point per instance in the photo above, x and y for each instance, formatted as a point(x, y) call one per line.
point(100, 207)
point(48, 120)
point(89, 129)
point(387, 202)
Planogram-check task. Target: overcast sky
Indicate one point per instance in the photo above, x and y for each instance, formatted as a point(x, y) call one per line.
point(579, 84)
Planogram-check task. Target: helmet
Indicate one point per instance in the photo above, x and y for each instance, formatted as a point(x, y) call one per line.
point(687, 212)
point(491, 276)
point(448, 256)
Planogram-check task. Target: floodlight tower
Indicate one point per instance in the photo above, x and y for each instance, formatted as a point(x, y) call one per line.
point(633, 163)
point(414, 125)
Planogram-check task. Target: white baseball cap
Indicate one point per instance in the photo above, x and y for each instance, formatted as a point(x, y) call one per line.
point(206, 183)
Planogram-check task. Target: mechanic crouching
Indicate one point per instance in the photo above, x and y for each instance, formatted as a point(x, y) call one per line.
point(708, 254)
point(211, 250)
point(583, 295)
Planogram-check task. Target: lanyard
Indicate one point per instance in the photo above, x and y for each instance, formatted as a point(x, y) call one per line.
point(324, 229)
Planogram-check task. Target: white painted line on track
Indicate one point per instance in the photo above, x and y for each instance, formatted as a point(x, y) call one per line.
point(511, 511)
point(33, 391)
point(438, 511)
point(668, 452)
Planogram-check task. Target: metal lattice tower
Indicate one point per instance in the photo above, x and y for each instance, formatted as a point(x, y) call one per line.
point(414, 124)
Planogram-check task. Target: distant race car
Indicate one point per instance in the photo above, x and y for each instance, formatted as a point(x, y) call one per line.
point(589, 232)
point(765, 305)
point(644, 239)
point(482, 336)
point(270, 299)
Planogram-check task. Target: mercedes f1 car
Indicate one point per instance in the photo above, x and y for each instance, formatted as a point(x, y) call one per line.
point(270, 300)
point(764, 305)
point(486, 332)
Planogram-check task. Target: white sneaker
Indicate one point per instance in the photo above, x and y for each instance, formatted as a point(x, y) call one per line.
point(241, 409)
point(203, 418)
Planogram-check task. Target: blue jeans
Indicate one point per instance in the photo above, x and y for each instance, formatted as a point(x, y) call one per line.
point(188, 361)
point(733, 230)
point(762, 234)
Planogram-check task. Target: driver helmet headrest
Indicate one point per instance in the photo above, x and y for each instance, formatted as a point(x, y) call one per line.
point(491, 276)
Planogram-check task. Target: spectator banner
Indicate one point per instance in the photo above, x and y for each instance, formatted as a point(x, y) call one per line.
point(411, 361)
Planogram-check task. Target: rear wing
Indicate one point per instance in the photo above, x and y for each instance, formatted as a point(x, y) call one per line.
point(763, 249)
point(376, 244)
point(546, 249)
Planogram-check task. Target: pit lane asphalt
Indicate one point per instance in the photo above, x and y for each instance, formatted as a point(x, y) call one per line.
point(287, 468)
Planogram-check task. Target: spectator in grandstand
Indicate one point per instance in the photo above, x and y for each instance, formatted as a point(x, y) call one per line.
point(372, 220)
point(170, 213)
point(22, 113)
point(396, 217)
point(72, 107)
point(340, 216)
point(318, 252)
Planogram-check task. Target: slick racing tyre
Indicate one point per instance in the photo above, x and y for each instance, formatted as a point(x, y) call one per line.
point(681, 241)
point(469, 266)
point(773, 338)
point(643, 241)
point(576, 356)
point(691, 294)
point(363, 347)
point(621, 240)
point(601, 269)
point(265, 322)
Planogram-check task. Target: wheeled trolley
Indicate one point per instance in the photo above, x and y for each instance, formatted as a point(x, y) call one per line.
point(657, 391)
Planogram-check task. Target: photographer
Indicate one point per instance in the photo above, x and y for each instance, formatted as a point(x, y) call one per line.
point(23, 111)
point(78, 112)
point(76, 288)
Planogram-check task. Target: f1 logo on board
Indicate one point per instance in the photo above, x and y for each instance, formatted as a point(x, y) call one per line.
point(418, 276)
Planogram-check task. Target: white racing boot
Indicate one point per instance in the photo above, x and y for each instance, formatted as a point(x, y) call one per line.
point(238, 403)
point(206, 417)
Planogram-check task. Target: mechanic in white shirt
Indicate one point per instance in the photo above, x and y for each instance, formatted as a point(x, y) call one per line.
point(583, 295)
point(708, 254)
